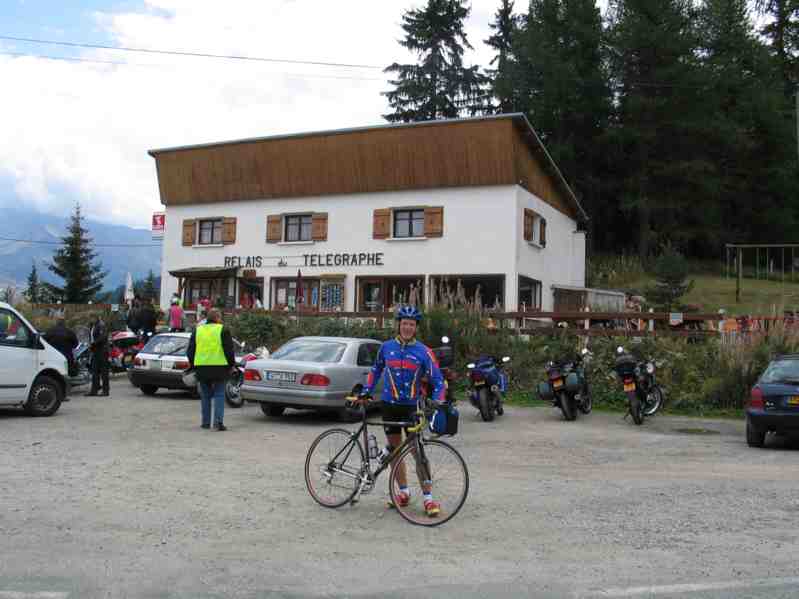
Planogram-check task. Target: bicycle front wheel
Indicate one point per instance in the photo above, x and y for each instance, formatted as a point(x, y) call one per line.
point(333, 467)
point(435, 466)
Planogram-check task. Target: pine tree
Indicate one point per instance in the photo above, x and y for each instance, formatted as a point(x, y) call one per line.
point(504, 76)
point(148, 287)
point(783, 31)
point(671, 274)
point(439, 86)
point(32, 293)
point(75, 263)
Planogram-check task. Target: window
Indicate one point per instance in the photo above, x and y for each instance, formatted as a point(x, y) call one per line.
point(308, 350)
point(298, 227)
point(13, 331)
point(284, 294)
point(211, 232)
point(408, 223)
point(535, 228)
point(529, 294)
point(167, 345)
point(198, 290)
point(367, 354)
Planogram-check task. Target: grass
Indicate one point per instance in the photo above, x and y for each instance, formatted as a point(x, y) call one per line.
point(758, 297)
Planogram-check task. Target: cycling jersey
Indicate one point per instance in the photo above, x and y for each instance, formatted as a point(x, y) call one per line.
point(405, 364)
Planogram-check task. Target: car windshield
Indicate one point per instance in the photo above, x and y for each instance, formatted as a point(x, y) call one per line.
point(781, 371)
point(167, 344)
point(308, 350)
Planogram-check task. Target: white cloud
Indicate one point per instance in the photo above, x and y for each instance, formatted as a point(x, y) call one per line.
point(81, 131)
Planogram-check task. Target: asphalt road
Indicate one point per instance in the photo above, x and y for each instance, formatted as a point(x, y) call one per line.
point(127, 497)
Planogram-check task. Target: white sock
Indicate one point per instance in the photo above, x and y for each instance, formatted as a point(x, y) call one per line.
point(405, 490)
point(428, 496)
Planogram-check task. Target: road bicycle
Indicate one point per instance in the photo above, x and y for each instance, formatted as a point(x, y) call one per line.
point(338, 470)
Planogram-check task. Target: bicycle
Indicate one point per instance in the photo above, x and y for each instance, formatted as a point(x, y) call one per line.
point(345, 471)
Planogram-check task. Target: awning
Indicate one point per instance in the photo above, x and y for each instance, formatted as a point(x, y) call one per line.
point(204, 272)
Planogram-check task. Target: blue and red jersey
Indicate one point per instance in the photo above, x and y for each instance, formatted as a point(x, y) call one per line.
point(405, 364)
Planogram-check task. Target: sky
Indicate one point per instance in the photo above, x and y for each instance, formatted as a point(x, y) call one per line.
point(80, 131)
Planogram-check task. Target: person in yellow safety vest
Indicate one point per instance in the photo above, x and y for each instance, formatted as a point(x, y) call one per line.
point(211, 354)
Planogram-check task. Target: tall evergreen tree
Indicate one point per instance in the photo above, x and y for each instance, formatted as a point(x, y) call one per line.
point(439, 86)
point(148, 287)
point(32, 293)
point(503, 76)
point(76, 263)
point(783, 32)
point(659, 108)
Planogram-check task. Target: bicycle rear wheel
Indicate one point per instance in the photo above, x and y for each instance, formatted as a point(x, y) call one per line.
point(333, 467)
point(439, 463)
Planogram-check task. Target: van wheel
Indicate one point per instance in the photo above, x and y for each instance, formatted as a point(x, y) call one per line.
point(45, 397)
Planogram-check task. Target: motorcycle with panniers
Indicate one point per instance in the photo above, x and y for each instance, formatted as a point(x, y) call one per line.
point(644, 394)
point(567, 386)
point(489, 384)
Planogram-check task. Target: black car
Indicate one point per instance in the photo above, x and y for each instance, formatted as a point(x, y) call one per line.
point(774, 401)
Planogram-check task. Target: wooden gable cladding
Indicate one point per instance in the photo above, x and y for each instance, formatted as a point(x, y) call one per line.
point(319, 226)
point(274, 228)
point(434, 221)
point(487, 151)
point(229, 230)
point(381, 223)
point(189, 227)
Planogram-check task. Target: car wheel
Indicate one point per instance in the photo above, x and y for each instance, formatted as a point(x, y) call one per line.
point(148, 389)
point(45, 397)
point(754, 437)
point(271, 410)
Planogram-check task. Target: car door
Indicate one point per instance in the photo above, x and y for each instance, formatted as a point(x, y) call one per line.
point(367, 354)
point(17, 358)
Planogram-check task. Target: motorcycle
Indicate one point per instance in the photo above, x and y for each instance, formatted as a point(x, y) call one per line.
point(233, 384)
point(567, 386)
point(489, 384)
point(644, 394)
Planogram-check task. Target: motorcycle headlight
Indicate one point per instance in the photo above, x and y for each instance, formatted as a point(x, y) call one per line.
point(650, 368)
point(470, 365)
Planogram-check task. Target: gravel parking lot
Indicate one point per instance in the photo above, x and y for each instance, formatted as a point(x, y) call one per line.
point(127, 497)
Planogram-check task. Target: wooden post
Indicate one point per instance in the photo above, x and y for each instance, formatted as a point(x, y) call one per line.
point(739, 260)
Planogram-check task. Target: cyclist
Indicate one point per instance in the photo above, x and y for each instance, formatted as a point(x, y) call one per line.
point(405, 361)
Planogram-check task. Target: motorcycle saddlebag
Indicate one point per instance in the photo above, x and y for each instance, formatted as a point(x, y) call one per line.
point(572, 382)
point(545, 391)
point(445, 421)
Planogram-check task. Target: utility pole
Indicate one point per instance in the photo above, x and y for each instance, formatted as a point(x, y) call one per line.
point(740, 263)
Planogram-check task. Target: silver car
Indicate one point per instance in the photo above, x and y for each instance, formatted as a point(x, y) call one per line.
point(315, 373)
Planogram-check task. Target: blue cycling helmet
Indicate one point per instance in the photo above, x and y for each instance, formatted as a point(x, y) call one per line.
point(408, 313)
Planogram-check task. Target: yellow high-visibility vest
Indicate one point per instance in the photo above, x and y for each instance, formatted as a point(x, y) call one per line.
point(209, 351)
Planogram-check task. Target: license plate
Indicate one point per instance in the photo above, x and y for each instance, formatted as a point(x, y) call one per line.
point(557, 383)
point(794, 401)
point(283, 377)
point(629, 387)
point(154, 364)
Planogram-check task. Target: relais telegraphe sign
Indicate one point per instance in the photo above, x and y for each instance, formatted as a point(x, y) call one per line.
point(310, 260)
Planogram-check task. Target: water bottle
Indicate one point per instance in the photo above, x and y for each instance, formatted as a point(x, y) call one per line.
point(384, 453)
point(372, 447)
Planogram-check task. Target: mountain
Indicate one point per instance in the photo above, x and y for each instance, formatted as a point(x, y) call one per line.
point(16, 258)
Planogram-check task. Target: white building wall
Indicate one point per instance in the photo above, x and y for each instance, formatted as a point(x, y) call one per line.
point(480, 226)
point(561, 262)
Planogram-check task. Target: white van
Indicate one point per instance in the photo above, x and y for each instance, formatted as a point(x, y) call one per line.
point(33, 374)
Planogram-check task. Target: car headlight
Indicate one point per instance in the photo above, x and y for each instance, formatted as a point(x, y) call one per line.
point(650, 368)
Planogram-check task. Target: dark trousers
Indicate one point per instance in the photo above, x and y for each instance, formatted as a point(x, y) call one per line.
point(99, 369)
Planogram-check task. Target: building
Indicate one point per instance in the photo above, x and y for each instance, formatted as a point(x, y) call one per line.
point(360, 219)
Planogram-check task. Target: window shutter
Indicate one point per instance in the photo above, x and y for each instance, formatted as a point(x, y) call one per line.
point(543, 237)
point(229, 230)
point(529, 218)
point(188, 232)
point(434, 221)
point(381, 223)
point(319, 227)
point(274, 228)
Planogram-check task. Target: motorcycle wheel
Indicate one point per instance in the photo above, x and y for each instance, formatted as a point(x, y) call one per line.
point(567, 407)
point(486, 410)
point(500, 407)
point(654, 399)
point(635, 409)
point(586, 402)
point(233, 391)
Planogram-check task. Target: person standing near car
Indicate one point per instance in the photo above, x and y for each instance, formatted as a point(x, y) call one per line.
point(176, 317)
point(134, 319)
point(147, 318)
point(98, 343)
point(405, 361)
point(64, 340)
point(211, 354)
